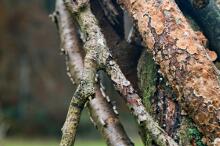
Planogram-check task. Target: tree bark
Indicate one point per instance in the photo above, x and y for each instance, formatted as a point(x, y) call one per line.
point(160, 101)
point(100, 58)
point(207, 15)
point(101, 111)
point(183, 60)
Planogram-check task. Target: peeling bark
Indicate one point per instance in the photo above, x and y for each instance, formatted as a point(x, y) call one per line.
point(182, 59)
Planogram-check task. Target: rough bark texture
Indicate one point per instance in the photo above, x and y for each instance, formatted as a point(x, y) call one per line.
point(100, 110)
point(106, 120)
point(69, 40)
point(207, 15)
point(161, 102)
point(182, 60)
point(118, 46)
point(97, 50)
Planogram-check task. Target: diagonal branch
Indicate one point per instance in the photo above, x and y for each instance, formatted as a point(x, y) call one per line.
point(204, 11)
point(96, 42)
point(182, 58)
point(100, 110)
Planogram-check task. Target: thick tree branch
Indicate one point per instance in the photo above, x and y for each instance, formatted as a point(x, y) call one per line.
point(182, 59)
point(207, 15)
point(100, 110)
point(96, 42)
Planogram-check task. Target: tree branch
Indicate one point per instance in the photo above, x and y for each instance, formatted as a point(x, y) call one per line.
point(182, 59)
point(95, 41)
point(207, 15)
point(100, 110)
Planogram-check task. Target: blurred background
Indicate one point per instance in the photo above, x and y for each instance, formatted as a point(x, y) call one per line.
point(34, 88)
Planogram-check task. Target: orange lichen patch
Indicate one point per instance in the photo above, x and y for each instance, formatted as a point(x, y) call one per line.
point(181, 57)
point(181, 47)
point(182, 43)
point(202, 39)
point(145, 31)
point(192, 49)
point(157, 21)
point(166, 5)
point(212, 55)
point(211, 108)
point(194, 102)
point(150, 41)
point(111, 120)
point(202, 117)
point(216, 102)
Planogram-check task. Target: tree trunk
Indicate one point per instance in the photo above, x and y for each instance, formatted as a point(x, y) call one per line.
point(162, 103)
point(183, 60)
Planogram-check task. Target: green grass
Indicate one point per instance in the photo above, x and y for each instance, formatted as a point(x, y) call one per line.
point(28, 142)
point(50, 142)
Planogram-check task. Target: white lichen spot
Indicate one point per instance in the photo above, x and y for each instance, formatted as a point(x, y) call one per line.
point(115, 110)
point(102, 122)
point(103, 92)
point(159, 71)
point(91, 119)
point(102, 86)
point(111, 62)
point(62, 51)
point(96, 77)
point(67, 68)
point(216, 142)
point(90, 98)
point(107, 98)
point(69, 74)
point(126, 83)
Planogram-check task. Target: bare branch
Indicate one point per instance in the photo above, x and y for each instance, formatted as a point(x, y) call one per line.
point(96, 42)
point(100, 110)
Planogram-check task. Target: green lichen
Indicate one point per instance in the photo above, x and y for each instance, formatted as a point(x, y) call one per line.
point(188, 133)
point(147, 75)
point(194, 134)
